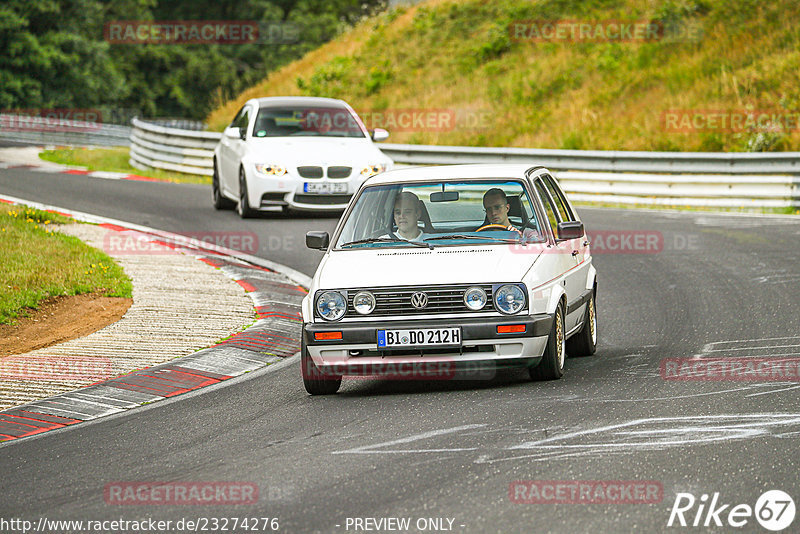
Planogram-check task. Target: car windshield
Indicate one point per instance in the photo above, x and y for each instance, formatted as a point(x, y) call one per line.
point(453, 212)
point(304, 121)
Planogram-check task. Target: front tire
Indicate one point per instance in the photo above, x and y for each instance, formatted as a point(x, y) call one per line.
point(219, 201)
point(243, 208)
point(314, 380)
point(551, 367)
point(584, 343)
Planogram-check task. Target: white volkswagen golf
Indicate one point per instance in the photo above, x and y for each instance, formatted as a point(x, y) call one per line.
point(432, 270)
point(302, 153)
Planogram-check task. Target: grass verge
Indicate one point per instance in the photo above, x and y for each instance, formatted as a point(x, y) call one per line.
point(39, 263)
point(115, 160)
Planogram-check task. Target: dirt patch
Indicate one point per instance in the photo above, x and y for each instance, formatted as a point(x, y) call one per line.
point(60, 319)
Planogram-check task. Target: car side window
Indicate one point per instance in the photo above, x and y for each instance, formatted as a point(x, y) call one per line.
point(548, 206)
point(558, 197)
point(244, 120)
point(235, 121)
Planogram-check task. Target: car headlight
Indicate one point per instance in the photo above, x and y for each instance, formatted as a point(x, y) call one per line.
point(270, 169)
point(364, 302)
point(475, 298)
point(372, 170)
point(331, 305)
point(509, 299)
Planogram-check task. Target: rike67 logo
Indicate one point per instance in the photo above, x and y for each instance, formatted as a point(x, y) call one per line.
point(774, 510)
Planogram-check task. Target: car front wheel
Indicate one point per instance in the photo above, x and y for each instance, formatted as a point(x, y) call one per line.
point(220, 202)
point(243, 208)
point(551, 367)
point(315, 381)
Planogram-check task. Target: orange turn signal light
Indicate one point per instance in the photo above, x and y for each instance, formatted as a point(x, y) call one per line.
point(510, 328)
point(327, 336)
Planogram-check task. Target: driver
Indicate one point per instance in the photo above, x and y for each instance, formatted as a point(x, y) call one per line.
point(407, 213)
point(495, 203)
point(496, 206)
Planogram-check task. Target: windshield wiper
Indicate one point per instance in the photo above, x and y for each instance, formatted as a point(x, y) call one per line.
point(386, 240)
point(466, 236)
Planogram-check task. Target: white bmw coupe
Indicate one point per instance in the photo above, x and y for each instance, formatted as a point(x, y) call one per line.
point(301, 153)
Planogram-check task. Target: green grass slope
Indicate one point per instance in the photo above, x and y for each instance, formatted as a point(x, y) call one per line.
point(458, 57)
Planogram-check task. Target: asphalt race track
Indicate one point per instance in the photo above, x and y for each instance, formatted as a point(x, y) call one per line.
point(721, 286)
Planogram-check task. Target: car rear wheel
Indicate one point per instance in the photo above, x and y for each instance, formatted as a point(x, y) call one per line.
point(551, 366)
point(584, 343)
point(220, 202)
point(315, 381)
point(243, 208)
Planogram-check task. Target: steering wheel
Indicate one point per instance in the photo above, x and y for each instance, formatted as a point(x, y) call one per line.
point(490, 227)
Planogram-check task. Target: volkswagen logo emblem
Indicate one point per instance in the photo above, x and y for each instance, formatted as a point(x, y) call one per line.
point(419, 300)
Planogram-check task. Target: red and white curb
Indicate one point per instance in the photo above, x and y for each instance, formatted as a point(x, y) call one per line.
point(276, 291)
point(82, 171)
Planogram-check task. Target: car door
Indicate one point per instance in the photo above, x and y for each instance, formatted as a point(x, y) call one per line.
point(558, 261)
point(238, 147)
point(226, 155)
point(576, 277)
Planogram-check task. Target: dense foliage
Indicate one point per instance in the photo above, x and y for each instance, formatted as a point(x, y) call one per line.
point(53, 53)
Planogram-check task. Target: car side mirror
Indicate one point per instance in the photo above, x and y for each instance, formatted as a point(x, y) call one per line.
point(232, 132)
point(379, 134)
point(318, 240)
point(570, 230)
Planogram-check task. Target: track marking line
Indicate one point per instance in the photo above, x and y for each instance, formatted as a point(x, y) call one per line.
point(369, 449)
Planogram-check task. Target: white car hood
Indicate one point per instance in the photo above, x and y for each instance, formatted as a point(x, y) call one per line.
point(421, 266)
point(315, 151)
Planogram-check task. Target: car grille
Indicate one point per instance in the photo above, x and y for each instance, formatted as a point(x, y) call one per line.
point(441, 299)
point(310, 172)
point(339, 172)
point(326, 199)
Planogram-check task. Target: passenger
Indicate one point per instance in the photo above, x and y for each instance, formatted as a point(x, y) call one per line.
point(407, 213)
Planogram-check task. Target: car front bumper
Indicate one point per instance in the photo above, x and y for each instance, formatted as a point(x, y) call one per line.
point(482, 347)
point(277, 192)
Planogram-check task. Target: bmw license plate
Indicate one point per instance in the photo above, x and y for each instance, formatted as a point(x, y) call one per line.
point(324, 187)
point(420, 337)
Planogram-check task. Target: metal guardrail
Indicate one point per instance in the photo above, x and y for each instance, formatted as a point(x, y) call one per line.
point(603, 160)
point(42, 131)
point(172, 149)
point(751, 180)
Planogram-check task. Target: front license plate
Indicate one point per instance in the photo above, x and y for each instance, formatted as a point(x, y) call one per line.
point(421, 337)
point(324, 187)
